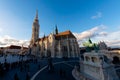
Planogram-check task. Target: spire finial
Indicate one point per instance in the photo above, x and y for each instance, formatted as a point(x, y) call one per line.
point(36, 14)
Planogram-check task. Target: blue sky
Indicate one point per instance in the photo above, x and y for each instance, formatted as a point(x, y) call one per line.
point(16, 17)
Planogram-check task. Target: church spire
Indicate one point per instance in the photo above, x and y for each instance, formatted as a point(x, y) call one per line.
point(36, 14)
point(35, 29)
point(44, 35)
point(56, 30)
point(36, 17)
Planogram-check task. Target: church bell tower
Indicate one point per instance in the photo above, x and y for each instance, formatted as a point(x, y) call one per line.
point(35, 30)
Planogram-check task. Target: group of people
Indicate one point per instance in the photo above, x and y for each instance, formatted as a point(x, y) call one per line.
point(27, 76)
point(22, 65)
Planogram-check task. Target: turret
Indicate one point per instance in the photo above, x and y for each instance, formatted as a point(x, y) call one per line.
point(56, 30)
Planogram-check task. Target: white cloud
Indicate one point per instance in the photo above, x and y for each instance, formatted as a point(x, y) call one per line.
point(99, 33)
point(0, 29)
point(97, 30)
point(7, 41)
point(98, 15)
point(103, 33)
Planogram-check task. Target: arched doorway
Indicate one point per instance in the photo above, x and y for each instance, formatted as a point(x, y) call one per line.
point(116, 60)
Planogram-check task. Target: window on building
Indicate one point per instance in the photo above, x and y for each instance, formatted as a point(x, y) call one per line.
point(106, 59)
point(65, 48)
point(35, 29)
point(44, 49)
point(70, 48)
point(87, 58)
point(94, 59)
point(56, 49)
point(82, 57)
point(39, 48)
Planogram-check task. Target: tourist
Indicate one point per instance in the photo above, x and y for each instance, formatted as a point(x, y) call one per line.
point(60, 71)
point(28, 76)
point(64, 73)
point(1, 70)
point(38, 66)
point(16, 77)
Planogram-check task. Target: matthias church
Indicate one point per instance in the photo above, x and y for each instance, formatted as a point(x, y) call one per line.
point(58, 44)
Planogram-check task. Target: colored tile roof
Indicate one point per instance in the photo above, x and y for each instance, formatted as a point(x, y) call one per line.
point(61, 34)
point(65, 33)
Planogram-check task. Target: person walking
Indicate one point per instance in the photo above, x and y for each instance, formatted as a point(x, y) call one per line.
point(16, 77)
point(28, 76)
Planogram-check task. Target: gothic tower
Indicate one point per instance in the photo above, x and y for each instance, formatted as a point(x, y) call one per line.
point(35, 30)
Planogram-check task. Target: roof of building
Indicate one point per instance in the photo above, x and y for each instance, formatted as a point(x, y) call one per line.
point(25, 48)
point(2, 47)
point(43, 38)
point(61, 34)
point(65, 33)
point(16, 47)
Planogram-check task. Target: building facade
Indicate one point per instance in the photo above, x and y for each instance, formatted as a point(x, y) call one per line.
point(14, 49)
point(63, 44)
point(96, 66)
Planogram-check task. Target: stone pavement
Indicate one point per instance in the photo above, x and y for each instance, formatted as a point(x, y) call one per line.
point(44, 75)
point(33, 67)
point(56, 75)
